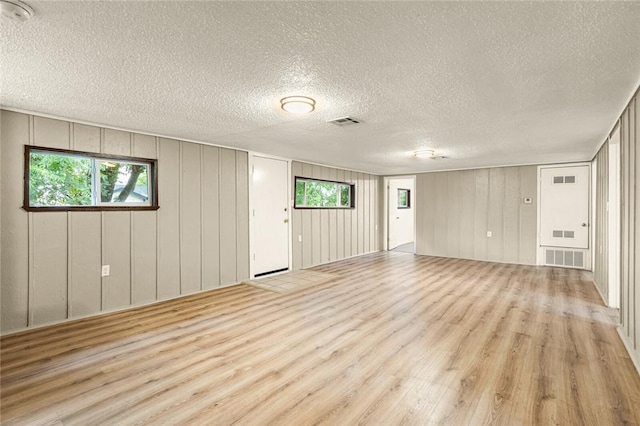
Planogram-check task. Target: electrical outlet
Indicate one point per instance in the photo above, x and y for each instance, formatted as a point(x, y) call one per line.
point(106, 270)
point(489, 234)
point(299, 238)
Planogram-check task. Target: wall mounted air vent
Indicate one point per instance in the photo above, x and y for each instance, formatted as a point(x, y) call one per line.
point(344, 121)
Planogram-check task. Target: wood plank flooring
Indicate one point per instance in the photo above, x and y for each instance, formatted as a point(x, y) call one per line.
point(394, 339)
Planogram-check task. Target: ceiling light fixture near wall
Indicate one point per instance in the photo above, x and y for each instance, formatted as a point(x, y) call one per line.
point(298, 104)
point(428, 153)
point(424, 153)
point(15, 10)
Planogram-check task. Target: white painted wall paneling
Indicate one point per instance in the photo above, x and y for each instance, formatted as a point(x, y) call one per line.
point(456, 209)
point(334, 234)
point(198, 239)
point(601, 223)
point(630, 238)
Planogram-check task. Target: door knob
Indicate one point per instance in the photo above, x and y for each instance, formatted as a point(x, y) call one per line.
point(584, 224)
point(286, 221)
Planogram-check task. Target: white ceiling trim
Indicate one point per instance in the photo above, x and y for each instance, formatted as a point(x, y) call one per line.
point(107, 126)
point(157, 135)
point(617, 122)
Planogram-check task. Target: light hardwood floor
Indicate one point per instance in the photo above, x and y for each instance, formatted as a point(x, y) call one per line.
point(395, 339)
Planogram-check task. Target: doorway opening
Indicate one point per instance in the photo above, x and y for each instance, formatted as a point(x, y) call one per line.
point(400, 219)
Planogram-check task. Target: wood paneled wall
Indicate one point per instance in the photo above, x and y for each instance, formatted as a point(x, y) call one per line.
point(454, 211)
point(630, 217)
point(601, 222)
point(197, 240)
point(334, 234)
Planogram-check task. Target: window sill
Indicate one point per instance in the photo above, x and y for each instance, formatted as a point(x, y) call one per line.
point(89, 208)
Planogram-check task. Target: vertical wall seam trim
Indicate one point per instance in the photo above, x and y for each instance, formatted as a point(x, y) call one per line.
point(30, 266)
point(180, 202)
point(103, 280)
point(219, 218)
point(68, 266)
point(132, 280)
point(632, 132)
point(201, 217)
point(157, 141)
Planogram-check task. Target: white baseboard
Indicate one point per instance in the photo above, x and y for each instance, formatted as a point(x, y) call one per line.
point(111, 311)
point(338, 260)
point(635, 357)
point(604, 301)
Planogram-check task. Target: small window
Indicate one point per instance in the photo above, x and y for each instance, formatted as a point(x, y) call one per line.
point(74, 180)
point(319, 194)
point(558, 179)
point(569, 179)
point(404, 198)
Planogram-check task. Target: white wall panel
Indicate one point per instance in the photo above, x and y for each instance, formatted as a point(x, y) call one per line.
point(15, 131)
point(601, 243)
point(116, 252)
point(49, 249)
point(228, 219)
point(48, 269)
point(210, 217)
point(242, 216)
point(168, 230)
point(85, 260)
point(190, 219)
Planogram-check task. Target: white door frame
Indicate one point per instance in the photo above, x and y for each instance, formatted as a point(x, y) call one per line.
point(614, 219)
point(251, 207)
point(539, 250)
point(593, 213)
point(385, 239)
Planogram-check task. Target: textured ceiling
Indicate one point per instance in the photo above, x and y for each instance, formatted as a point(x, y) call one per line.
point(486, 84)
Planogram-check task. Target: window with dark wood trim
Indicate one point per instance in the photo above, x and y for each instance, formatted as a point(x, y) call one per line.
point(64, 180)
point(323, 194)
point(404, 198)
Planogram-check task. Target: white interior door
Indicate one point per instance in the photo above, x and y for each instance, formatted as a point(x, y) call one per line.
point(564, 207)
point(270, 213)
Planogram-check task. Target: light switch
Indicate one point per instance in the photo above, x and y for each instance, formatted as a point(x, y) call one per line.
point(299, 238)
point(106, 270)
point(489, 234)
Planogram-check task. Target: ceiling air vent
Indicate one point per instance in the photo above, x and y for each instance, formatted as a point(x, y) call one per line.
point(344, 121)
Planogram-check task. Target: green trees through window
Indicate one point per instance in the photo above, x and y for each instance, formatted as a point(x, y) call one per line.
point(69, 179)
point(59, 180)
point(312, 193)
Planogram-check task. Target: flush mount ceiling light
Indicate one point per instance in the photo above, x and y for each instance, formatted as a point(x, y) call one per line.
point(424, 153)
point(297, 104)
point(15, 10)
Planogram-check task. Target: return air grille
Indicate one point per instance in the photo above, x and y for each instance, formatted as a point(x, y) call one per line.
point(344, 121)
point(563, 234)
point(560, 257)
point(564, 179)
